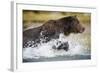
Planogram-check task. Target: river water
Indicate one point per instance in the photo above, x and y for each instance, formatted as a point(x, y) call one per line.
point(79, 49)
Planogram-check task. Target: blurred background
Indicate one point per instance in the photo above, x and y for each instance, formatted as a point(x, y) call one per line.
point(33, 18)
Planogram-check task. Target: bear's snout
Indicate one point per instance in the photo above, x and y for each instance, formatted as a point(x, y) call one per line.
point(82, 30)
point(79, 28)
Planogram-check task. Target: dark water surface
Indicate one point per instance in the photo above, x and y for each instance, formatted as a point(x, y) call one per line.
point(59, 58)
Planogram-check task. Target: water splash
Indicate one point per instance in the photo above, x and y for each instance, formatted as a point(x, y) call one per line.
point(76, 47)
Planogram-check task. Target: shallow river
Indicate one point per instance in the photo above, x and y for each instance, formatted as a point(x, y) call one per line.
point(79, 49)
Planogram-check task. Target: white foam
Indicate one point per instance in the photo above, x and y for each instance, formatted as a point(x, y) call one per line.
point(76, 46)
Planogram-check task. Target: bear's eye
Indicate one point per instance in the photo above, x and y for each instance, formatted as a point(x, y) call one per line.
point(75, 23)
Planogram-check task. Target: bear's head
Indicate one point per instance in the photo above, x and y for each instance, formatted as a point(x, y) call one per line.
point(70, 24)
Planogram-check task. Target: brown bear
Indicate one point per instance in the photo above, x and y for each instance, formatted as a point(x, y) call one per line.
point(51, 30)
